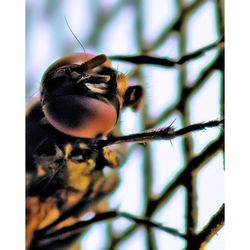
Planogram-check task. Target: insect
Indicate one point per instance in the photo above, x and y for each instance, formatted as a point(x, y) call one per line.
point(69, 129)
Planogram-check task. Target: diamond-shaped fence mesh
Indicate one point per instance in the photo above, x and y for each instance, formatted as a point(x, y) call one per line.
point(175, 188)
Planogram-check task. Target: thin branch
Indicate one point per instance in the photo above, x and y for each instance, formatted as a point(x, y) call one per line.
point(187, 142)
point(205, 73)
point(102, 19)
point(219, 16)
point(186, 92)
point(193, 165)
point(118, 238)
point(214, 225)
point(152, 224)
point(166, 62)
point(175, 24)
point(201, 51)
point(146, 167)
point(219, 4)
point(78, 227)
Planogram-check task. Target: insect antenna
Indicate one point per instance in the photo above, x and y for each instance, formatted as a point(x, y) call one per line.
point(76, 38)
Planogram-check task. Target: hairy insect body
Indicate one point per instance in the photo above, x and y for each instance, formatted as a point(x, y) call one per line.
point(68, 180)
point(71, 139)
point(79, 105)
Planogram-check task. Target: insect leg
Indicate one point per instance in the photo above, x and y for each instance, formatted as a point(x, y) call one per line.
point(167, 133)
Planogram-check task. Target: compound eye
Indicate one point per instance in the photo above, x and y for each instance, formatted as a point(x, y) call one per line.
point(81, 117)
point(75, 113)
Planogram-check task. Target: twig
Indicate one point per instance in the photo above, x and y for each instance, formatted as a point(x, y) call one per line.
point(77, 227)
point(166, 62)
point(193, 165)
point(214, 225)
point(186, 93)
point(175, 25)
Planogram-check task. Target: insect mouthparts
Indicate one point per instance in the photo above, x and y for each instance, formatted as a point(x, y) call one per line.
point(95, 78)
point(100, 88)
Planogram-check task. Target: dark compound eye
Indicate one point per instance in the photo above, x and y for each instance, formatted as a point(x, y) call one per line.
point(74, 98)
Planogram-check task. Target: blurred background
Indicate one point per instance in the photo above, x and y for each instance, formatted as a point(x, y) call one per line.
point(179, 183)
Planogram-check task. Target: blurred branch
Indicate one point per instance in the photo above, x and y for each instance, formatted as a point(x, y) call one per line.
point(214, 225)
point(219, 9)
point(187, 142)
point(219, 15)
point(166, 62)
point(187, 91)
point(78, 227)
point(101, 20)
point(217, 63)
point(119, 238)
point(193, 165)
point(181, 16)
point(152, 224)
point(146, 169)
